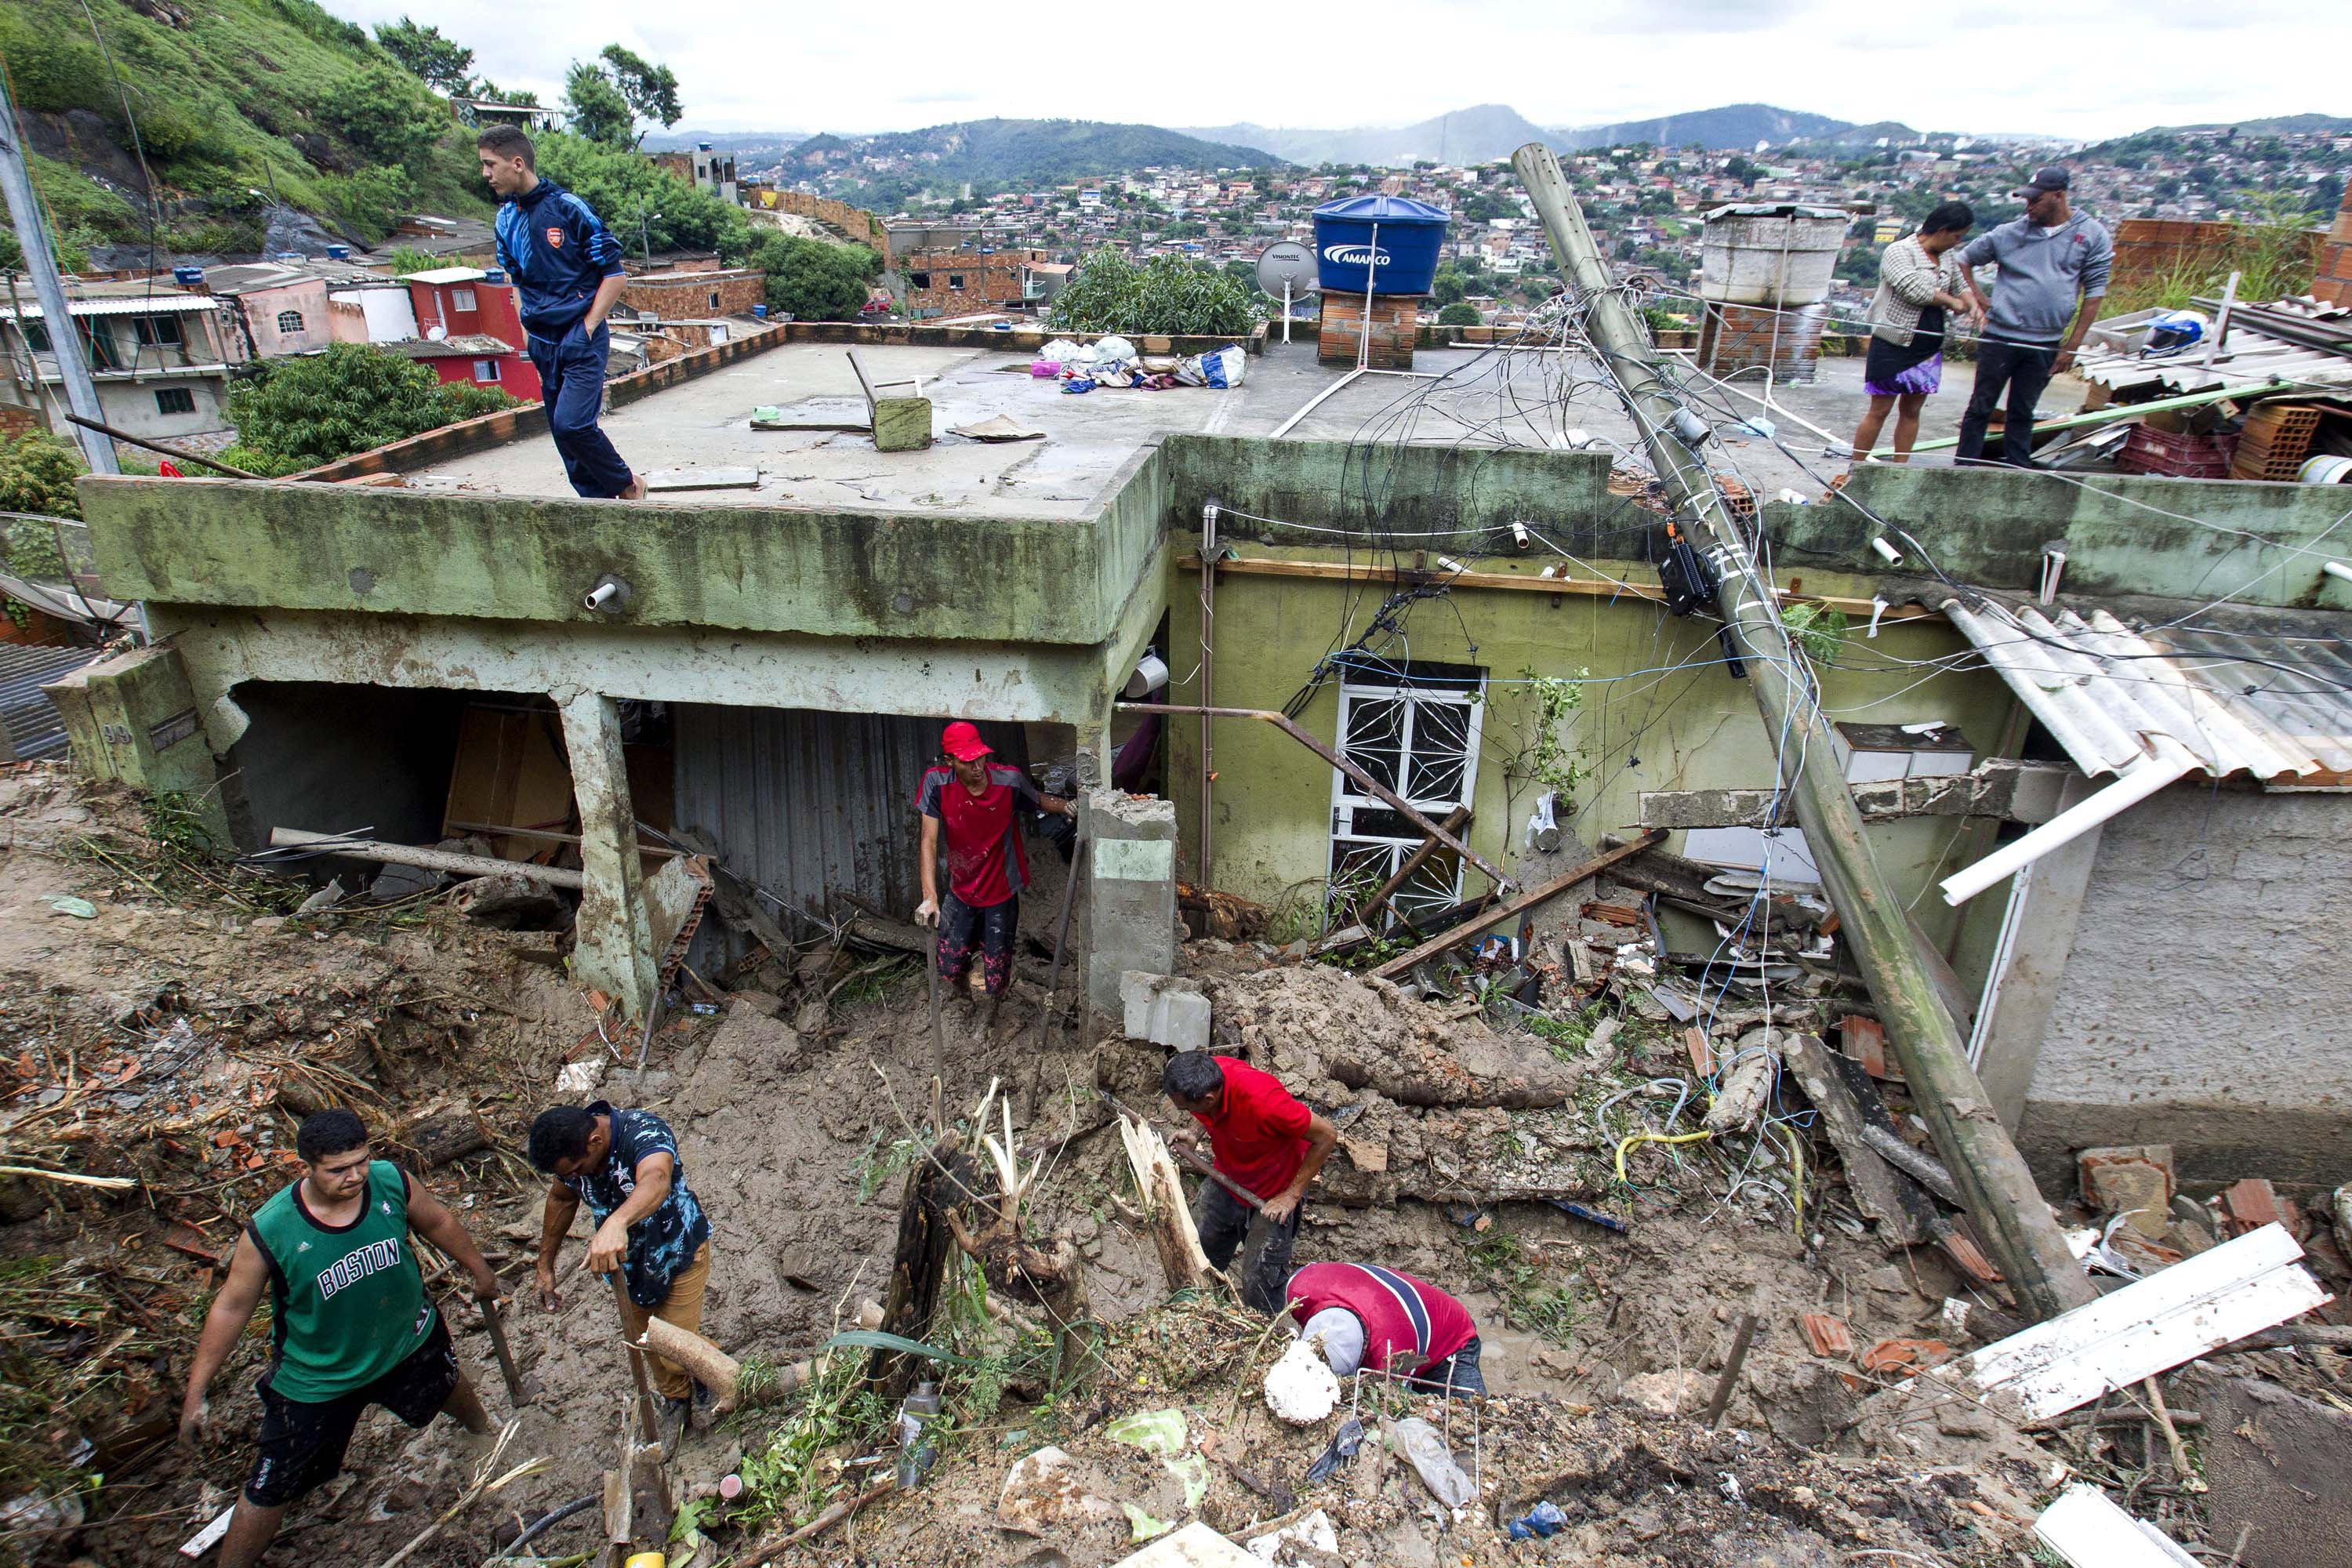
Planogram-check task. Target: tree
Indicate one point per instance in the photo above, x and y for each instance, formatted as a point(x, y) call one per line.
point(606, 100)
point(315, 408)
point(595, 109)
point(1738, 167)
point(488, 92)
point(36, 475)
point(1447, 286)
point(815, 280)
point(380, 112)
point(1458, 314)
point(439, 62)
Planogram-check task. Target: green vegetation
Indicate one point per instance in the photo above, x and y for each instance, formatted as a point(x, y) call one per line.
point(247, 104)
point(1458, 315)
point(2272, 252)
point(1166, 294)
point(1816, 630)
point(607, 96)
point(1514, 1269)
point(643, 204)
point(312, 409)
point(36, 475)
point(438, 62)
point(813, 279)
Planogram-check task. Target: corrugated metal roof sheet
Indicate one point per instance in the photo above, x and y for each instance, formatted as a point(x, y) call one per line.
point(2249, 355)
point(2276, 709)
point(135, 305)
point(30, 718)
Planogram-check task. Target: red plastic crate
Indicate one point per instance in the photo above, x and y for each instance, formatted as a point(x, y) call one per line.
point(2148, 451)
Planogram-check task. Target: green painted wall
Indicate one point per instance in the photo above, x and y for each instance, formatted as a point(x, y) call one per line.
point(1660, 713)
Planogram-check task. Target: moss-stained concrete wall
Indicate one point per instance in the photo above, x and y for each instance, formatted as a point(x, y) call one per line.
point(1661, 711)
point(330, 548)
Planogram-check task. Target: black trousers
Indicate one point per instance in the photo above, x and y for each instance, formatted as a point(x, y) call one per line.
point(2018, 371)
point(1224, 1220)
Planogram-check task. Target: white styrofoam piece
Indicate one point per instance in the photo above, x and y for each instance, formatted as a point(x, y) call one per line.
point(1194, 1546)
point(2089, 1531)
point(2200, 1304)
point(208, 1538)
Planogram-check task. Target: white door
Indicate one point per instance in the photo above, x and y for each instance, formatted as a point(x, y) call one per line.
point(1416, 731)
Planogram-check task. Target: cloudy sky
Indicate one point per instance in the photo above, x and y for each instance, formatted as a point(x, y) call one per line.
point(2083, 68)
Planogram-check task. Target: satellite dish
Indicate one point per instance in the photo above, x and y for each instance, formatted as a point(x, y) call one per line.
point(1285, 261)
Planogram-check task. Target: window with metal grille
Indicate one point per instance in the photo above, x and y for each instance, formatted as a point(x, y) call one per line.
point(290, 321)
point(174, 400)
point(1414, 729)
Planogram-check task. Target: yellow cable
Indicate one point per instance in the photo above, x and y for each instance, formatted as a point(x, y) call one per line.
point(1654, 1138)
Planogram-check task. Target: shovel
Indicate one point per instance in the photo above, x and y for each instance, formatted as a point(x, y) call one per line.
point(521, 1390)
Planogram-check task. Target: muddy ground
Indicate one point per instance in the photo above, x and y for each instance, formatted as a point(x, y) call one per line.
point(176, 1034)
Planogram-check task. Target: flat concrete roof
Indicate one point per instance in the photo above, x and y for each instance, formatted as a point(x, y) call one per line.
point(706, 424)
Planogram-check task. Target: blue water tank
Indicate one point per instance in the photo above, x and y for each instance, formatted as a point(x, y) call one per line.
point(760, 311)
point(339, 253)
point(495, 275)
point(1409, 237)
point(187, 277)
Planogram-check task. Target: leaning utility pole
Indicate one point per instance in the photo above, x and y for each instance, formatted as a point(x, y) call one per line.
point(2016, 1221)
point(65, 342)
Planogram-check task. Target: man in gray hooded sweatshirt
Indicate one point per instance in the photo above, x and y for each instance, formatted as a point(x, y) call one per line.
point(2049, 259)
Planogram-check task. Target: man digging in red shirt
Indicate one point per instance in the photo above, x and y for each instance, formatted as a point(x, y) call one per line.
point(977, 806)
point(1270, 1145)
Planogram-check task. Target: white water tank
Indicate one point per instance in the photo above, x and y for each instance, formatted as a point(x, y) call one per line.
point(1770, 254)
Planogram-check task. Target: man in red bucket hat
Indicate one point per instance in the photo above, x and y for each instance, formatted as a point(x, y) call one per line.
point(976, 805)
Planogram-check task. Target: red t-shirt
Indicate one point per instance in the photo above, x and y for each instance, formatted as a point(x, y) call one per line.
point(987, 863)
point(1260, 1136)
point(1409, 1326)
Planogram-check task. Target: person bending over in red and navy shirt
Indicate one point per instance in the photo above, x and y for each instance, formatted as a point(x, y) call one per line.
point(1271, 1145)
point(1375, 1319)
point(976, 806)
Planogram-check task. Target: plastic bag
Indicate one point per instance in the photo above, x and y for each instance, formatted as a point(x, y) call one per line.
point(1225, 367)
point(1061, 349)
point(1112, 349)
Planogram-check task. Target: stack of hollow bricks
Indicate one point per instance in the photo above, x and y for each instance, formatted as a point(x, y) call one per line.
point(1742, 337)
point(1396, 322)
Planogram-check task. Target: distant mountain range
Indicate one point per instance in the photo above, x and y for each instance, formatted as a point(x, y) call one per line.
point(1477, 135)
point(1494, 131)
point(737, 141)
point(1035, 151)
point(2278, 125)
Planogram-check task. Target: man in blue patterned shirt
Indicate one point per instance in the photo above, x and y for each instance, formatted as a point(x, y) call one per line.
point(626, 1164)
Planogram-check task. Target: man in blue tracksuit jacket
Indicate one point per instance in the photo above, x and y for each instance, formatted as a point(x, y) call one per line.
point(568, 271)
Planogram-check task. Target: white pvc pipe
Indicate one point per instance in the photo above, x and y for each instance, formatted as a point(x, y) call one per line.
point(2135, 785)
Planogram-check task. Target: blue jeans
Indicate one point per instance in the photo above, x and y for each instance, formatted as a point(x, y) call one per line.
point(572, 383)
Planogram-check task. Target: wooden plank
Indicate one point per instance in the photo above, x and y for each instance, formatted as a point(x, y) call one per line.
point(2090, 1531)
point(2237, 1288)
point(1874, 1184)
point(1527, 583)
point(1510, 907)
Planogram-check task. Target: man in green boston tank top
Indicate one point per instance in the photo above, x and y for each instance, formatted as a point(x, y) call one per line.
point(351, 1325)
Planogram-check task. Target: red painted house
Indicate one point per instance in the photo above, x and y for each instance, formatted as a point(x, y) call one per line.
point(471, 329)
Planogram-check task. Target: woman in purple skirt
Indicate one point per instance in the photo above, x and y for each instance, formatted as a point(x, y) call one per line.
point(1918, 282)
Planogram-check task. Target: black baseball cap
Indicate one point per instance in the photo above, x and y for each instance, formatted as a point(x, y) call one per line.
point(2053, 178)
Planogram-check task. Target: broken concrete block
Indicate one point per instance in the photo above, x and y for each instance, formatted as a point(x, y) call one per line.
point(2133, 1181)
point(2253, 1203)
point(2280, 1467)
point(902, 424)
point(1165, 1010)
point(1664, 1393)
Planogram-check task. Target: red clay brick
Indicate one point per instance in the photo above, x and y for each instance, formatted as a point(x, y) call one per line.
point(1828, 1334)
point(1904, 1357)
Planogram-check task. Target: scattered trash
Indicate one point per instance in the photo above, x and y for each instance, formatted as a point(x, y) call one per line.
point(2087, 1530)
point(80, 909)
point(1538, 1523)
point(1002, 427)
point(1424, 1448)
point(1338, 1451)
point(1160, 1432)
point(1313, 1533)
